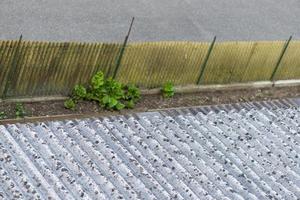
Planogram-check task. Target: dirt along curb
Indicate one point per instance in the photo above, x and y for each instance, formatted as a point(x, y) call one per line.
point(179, 90)
point(51, 108)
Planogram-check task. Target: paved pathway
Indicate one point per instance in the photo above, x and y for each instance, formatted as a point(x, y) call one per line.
point(108, 20)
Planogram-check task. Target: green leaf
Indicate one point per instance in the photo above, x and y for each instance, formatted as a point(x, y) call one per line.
point(89, 96)
point(109, 93)
point(106, 100)
point(113, 88)
point(70, 104)
point(79, 92)
point(120, 106)
point(2, 115)
point(113, 102)
point(97, 80)
point(168, 90)
point(20, 110)
point(133, 93)
point(130, 104)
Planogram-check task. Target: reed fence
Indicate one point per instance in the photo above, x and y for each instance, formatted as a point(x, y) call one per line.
point(32, 68)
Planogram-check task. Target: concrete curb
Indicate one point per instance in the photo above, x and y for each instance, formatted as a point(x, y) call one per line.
point(181, 90)
point(210, 88)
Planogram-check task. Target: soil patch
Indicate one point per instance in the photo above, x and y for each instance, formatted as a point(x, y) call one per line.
point(150, 102)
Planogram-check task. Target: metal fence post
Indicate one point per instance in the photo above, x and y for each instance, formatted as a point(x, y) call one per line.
point(122, 50)
point(280, 58)
point(203, 66)
point(12, 71)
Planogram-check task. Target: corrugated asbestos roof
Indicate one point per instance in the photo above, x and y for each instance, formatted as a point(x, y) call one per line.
point(240, 151)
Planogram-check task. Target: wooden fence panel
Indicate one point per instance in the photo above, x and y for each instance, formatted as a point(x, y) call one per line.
point(53, 68)
point(242, 62)
point(152, 64)
point(7, 54)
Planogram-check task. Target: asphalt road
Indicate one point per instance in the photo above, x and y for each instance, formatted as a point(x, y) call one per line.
point(108, 20)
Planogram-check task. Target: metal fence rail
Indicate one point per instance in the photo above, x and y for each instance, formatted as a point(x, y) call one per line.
point(50, 68)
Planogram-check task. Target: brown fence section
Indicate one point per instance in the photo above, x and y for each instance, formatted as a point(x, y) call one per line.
point(52, 68)
point(152, 64)
point(45, 68)
point(242, 62)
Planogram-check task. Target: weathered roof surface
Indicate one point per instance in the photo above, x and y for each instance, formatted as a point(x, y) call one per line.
point(241, 151)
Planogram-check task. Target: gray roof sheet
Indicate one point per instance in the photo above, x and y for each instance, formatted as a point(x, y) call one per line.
point(240, 151)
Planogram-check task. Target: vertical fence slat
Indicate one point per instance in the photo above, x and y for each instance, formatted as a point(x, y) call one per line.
point(51, 49)
point(72, 73)
point(150, 70)
point(67, 78)
point(110, 56)
point(96, 60)
point(174, 63)
point(63, 65)
point(44, 68)
point(40, 65)
point(246, 67)
point(147, 60)
point(158, 66)
point(58, 53)
point(15, 89)
point(104, 61)
point(85, 65)
point(36, 69)
point(22, 82)
point(82, 63)
point(91, 62)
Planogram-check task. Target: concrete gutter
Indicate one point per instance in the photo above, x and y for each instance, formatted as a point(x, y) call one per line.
point(181, 90)
point(62, 117)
